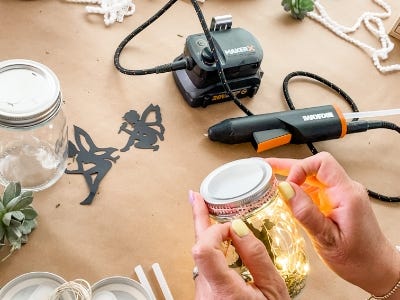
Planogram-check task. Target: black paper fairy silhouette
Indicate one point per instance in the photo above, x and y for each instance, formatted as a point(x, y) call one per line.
point(144, 134)
point(98, 160)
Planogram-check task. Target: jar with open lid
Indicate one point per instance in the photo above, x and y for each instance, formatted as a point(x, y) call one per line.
point(248, 189)
point(33, 129)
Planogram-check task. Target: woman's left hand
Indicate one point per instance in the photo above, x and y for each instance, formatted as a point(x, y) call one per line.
point(216, 280)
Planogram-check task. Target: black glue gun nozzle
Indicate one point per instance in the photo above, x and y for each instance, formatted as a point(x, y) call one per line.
point(222, 132)
point(211, 133)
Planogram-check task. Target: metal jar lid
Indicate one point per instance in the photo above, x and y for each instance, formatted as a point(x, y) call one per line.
point(29, 93)
point(119, 288)
point(34, 285)
point(237, 187)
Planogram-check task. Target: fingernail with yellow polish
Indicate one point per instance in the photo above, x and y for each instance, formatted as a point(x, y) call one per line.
point(286, 190)
point(240, 228)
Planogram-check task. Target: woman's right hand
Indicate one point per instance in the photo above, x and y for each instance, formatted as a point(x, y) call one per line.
point(347, 236)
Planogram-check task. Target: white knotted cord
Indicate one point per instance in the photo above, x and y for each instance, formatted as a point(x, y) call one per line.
point(79, 289)
point(113, 10)
point(373, 22)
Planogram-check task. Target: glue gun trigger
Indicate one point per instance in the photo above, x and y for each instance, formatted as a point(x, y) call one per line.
point(268, 139)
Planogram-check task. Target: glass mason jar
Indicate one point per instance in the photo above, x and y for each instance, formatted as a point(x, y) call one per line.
point(33, 130)
point(247, 189)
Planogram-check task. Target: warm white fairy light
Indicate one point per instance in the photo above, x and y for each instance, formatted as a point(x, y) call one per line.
point(285, 242)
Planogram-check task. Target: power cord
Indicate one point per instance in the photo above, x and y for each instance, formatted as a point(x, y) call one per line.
point(354, 126)
point(186, 63)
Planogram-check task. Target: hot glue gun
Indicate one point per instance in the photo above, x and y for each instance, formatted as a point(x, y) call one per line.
point(297, 126)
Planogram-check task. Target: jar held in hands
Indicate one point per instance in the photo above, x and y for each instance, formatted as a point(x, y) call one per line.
point(247, 189)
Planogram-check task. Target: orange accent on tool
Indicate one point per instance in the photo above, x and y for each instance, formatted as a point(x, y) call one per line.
point(275, 142)
point(342, 120)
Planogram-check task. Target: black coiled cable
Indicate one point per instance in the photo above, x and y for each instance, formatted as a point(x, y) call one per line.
point(125, 41)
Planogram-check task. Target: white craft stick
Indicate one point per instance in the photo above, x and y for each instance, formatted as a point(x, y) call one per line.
point(143, 280)
point(162, 282)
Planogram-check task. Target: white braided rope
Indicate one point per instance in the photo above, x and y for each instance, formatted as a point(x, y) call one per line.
point(113, 10)
point(373, 21)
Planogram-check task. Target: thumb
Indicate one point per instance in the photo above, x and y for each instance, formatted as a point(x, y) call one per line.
point(255, 257)
point(304, 209)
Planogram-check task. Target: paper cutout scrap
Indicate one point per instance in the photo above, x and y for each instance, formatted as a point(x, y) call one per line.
point(144, 134)
point(97, 159)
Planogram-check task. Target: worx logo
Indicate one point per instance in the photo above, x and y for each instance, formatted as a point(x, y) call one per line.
point(320, 116)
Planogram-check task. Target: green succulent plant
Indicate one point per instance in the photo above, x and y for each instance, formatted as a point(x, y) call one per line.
point(17, 217)
point(298, 8)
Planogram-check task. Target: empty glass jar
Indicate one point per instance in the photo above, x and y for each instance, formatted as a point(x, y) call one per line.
point(33, 130)
point(247, 189)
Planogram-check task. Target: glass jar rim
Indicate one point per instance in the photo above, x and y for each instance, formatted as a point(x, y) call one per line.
point(29, 93)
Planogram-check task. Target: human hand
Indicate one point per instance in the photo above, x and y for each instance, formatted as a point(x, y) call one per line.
point(216, 280)
point(346, 234)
